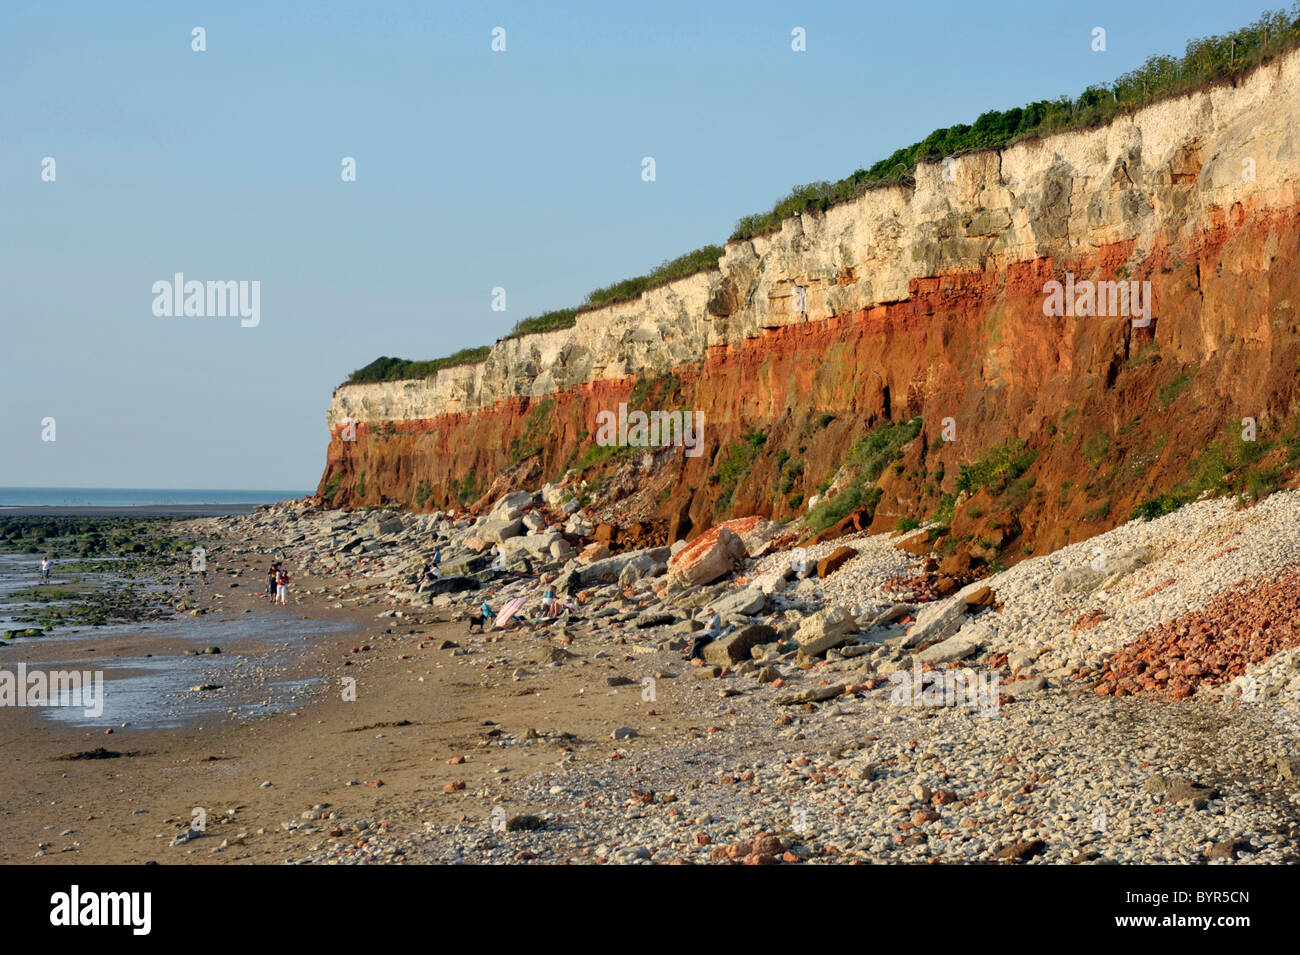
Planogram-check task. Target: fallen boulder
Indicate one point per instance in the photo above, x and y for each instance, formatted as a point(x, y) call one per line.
point(835, 560)
point(825, 630)
point(744, 602)
point(937, 622)
point(713, 554)
point(947, 651)
point(814, 694)
point(649, 562)
point(736, 646)
point(497, 529)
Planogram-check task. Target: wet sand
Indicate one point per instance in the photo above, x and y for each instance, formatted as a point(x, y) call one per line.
point(129, 808)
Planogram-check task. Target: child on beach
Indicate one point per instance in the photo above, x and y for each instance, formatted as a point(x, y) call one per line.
point(282, 588)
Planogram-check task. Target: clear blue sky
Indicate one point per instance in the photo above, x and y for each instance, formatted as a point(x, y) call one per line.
point(474, 170)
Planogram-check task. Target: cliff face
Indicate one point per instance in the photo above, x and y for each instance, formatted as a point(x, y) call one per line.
point(918, 301)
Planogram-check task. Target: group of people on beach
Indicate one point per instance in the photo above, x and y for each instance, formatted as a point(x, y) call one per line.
point(432, 569)
point(277, 584)
point(550, 609)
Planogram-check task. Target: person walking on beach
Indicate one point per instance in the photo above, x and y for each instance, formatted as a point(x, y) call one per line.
point(282, 588)
point(46, 566)
point(270, 582)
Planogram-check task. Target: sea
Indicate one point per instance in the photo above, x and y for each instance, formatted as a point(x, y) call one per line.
point(142, 688)
point(136, 496)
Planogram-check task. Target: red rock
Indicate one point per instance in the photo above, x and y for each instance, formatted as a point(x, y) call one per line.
point(592, 553)
point(834, 561)
point(739, 850)
point(918, 544)
point(713, 554)
point(768, 845)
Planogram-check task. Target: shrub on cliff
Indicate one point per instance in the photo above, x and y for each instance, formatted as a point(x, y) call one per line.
point(1225, 466)
point(670, 270)
point(867, 459)
point(701, 260)
point(736, 465)
point(395, 369)
point(546, 322)
point(999, 465)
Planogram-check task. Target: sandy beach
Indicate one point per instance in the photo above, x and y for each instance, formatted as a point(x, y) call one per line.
point(596, 741)
point(381, 759)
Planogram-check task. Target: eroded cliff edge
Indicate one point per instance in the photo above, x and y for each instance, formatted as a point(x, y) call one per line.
point(920, 301)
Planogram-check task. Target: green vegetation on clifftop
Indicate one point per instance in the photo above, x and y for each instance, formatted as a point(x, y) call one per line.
point(1204, 61)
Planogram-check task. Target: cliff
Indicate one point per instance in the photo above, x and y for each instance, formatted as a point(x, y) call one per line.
point(924, 300)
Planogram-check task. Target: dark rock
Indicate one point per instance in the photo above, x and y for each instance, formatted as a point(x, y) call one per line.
point(647, 620)
point(525, 823)
point(450, 585)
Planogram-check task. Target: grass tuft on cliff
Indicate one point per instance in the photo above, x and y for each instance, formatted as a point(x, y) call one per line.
point(868, 460)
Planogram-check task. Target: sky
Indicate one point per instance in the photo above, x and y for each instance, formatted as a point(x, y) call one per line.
point(475, 169)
